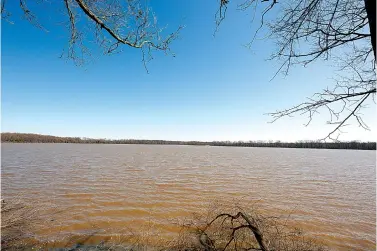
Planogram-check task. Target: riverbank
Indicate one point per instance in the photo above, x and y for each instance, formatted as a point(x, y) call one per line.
point(38, 138)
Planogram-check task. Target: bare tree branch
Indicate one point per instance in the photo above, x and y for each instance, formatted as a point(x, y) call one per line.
point(252, 226)
point(112, 23)
point(340, 30)
point(28, 15)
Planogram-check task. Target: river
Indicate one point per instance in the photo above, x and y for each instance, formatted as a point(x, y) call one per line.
point(330, 194)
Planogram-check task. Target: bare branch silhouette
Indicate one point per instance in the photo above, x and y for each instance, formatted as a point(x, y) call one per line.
point(340, 30)
point(112, 22)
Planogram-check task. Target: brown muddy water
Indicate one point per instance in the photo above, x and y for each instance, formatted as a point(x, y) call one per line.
point(330, 194)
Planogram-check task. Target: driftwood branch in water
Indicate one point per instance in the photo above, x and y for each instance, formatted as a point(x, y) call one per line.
point(248, 224)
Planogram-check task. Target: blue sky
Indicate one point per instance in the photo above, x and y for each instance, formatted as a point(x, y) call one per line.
point(214, 89)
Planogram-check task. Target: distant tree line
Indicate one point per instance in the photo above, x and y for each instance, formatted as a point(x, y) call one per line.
point(37, 138)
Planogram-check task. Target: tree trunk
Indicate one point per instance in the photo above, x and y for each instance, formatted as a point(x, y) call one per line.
point(370, 6)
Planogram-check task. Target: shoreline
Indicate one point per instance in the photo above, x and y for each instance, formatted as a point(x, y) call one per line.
point(200, 145)
point(10, 137)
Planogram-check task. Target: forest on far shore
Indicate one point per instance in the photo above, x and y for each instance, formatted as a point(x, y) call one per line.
point(38, 138)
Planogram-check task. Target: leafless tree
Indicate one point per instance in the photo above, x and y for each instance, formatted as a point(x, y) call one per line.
point(113, 24)
point(308, 30)
point(37, 138)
